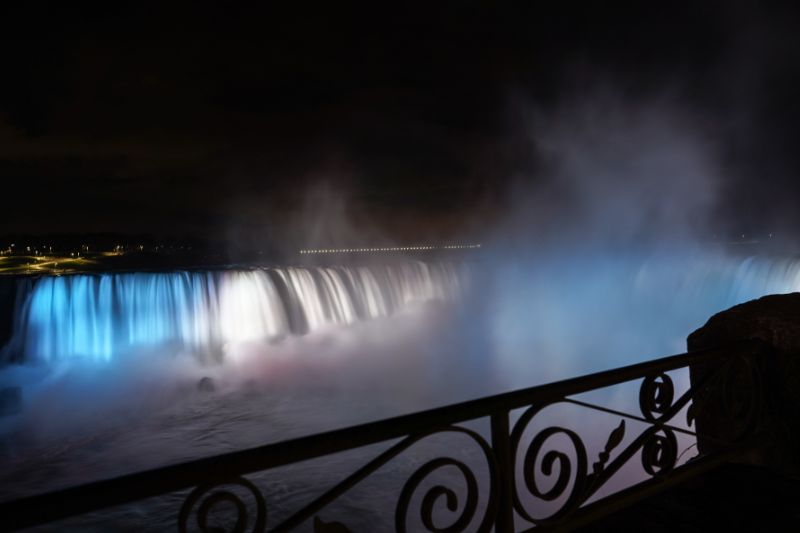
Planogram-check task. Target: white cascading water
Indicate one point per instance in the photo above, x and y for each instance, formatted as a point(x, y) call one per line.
point(97, 316)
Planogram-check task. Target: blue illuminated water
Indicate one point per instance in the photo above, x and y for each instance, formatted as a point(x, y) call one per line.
point(99, 316)
point(576, 313)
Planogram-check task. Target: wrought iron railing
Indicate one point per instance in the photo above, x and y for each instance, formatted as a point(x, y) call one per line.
point(516, 461)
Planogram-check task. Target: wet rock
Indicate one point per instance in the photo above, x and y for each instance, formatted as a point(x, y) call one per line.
point(206, 384)
point(10, 401)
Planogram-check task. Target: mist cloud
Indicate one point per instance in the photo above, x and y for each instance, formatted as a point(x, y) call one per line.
point(614, 171)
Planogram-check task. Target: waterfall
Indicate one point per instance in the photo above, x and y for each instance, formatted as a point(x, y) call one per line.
point(617, 307)
point(97, 316)
point(580, 312)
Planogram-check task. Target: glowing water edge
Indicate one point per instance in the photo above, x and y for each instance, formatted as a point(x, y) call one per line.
point(109, 364)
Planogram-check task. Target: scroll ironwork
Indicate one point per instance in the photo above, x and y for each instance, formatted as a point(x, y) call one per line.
point(519, 466)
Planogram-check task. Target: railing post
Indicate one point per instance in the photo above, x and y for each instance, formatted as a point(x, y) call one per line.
point(501, 444)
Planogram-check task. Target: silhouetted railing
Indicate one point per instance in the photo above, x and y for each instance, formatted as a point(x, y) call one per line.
point(506, 493)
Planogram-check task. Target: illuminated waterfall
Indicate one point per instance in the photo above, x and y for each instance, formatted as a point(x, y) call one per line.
point(632, 305)
point(98, 316)
point(585, 312)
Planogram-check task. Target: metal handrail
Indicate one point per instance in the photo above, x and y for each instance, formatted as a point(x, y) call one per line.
point(207, 472)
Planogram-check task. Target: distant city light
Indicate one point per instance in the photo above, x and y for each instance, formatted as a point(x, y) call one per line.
point(389, 249)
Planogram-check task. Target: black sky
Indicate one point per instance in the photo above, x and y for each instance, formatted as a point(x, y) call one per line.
point(208, 119)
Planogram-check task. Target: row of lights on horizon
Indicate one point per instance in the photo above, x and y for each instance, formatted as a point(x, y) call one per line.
point(119, 248)
point(390, 249)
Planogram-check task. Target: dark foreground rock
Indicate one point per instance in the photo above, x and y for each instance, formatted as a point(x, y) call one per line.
point(730, 498)
point(775, 321)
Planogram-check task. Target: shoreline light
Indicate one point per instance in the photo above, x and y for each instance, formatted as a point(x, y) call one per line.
point(389, 249)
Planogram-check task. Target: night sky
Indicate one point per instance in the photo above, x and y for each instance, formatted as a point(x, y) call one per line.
point(406, 119)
